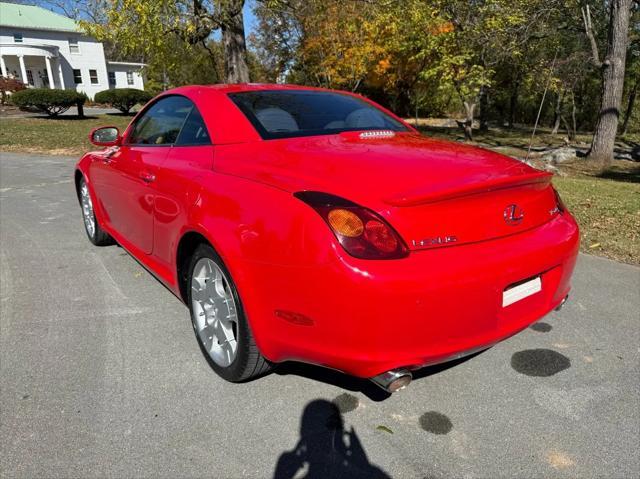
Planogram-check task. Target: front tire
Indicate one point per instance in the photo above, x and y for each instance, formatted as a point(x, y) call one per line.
point(219, 321)
point(96, 234)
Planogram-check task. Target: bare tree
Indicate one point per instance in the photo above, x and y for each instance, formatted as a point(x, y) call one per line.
point(234, 43)
point(226, 16)
point(91, 10)
point(612, 68)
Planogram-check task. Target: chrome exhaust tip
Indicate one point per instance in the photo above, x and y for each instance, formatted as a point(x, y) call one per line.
point(393, 380)
point(560, 306)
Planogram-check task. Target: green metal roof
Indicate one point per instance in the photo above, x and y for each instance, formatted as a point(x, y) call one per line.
point(35, 18)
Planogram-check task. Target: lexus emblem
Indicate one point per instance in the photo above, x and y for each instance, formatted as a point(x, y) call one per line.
point(513, 215)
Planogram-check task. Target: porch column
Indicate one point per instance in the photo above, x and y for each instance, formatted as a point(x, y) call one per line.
point(3, 67)
point(47, 60)
point(23, 70)
point(60, 73)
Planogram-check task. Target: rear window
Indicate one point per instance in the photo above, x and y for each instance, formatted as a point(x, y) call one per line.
point(287, 114)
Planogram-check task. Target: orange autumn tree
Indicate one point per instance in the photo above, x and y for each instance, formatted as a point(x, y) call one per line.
point(408, 34)
point(339, 47)
point(366, 46)
point(435, 55)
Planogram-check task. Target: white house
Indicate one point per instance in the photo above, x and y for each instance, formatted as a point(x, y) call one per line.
point(47, 50)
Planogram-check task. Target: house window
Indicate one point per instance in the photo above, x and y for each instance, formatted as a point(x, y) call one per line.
point(77, 76)
point(17, 38)
point(112, 78)
point(129, 78)
point(30, 78)
point(73, 45)
point(93, 75)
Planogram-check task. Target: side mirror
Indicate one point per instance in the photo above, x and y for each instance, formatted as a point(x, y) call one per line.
point(105, 136)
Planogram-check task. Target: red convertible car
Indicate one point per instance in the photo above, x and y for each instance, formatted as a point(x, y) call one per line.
point(314, 225)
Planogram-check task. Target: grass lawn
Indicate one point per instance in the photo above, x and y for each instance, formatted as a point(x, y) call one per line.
point(608, 212)
point(54, 136)
point(607, 207)
point(515, 142)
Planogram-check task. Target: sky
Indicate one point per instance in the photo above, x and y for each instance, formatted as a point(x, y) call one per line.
point(249, 18)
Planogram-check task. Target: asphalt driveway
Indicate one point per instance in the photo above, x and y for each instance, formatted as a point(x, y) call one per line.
point(100, 376)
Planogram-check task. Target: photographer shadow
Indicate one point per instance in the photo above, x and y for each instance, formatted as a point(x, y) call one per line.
point(325, 449)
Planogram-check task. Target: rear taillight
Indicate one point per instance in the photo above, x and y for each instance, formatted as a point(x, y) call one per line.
point(361, 232)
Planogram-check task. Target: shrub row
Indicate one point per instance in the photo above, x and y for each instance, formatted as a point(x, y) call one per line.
point(51, 102)
point(123, 98)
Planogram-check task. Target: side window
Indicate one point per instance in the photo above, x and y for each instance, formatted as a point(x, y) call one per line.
point(194, 132)
point(161, 123)
point(73, 45)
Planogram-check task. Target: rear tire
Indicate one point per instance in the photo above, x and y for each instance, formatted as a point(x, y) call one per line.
point(219, 321)
point(95, 233)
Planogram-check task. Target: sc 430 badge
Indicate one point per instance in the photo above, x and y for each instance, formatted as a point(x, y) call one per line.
point(435, 241)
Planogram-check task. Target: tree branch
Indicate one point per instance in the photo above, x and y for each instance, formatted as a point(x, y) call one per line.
point(588, 29)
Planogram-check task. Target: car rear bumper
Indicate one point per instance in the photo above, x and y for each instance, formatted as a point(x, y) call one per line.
point(366, 317)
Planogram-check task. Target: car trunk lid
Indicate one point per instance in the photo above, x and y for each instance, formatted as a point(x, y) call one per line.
point(477, 213)
point(432, 192)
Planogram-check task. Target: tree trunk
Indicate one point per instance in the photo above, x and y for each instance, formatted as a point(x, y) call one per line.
point(557, 114)
point(574, 123)
point(484, 109)
point(627, 115)
point(467, 124)
point(612, 83)
point(236, 69)
point(570, 135)
point(402, 100)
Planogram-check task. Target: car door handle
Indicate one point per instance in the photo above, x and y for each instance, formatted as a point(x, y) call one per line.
point(147, 177)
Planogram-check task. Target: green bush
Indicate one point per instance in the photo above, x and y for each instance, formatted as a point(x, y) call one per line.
point(123, 98)
point(51, 102)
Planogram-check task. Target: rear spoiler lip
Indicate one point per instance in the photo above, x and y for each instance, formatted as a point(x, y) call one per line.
point(423, 196)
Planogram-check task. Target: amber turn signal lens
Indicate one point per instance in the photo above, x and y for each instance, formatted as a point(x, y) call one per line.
point(345, 223)
point(362, 233)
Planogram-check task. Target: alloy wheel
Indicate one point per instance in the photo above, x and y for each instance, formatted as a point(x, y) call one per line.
point(87, 210)
point(214, 312)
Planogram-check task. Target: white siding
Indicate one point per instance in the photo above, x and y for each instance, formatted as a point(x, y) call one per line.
point(121, 75)
point(91, 57)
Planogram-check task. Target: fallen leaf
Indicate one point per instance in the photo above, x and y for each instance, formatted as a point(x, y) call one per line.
point(594, 245)
point(559, 460)
point(384, 429)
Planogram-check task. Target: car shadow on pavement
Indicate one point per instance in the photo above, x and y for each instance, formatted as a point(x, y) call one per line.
point(353, 384)
point(325, 449)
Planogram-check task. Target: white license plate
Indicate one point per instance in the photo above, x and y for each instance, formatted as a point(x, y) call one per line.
point(524, 290)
